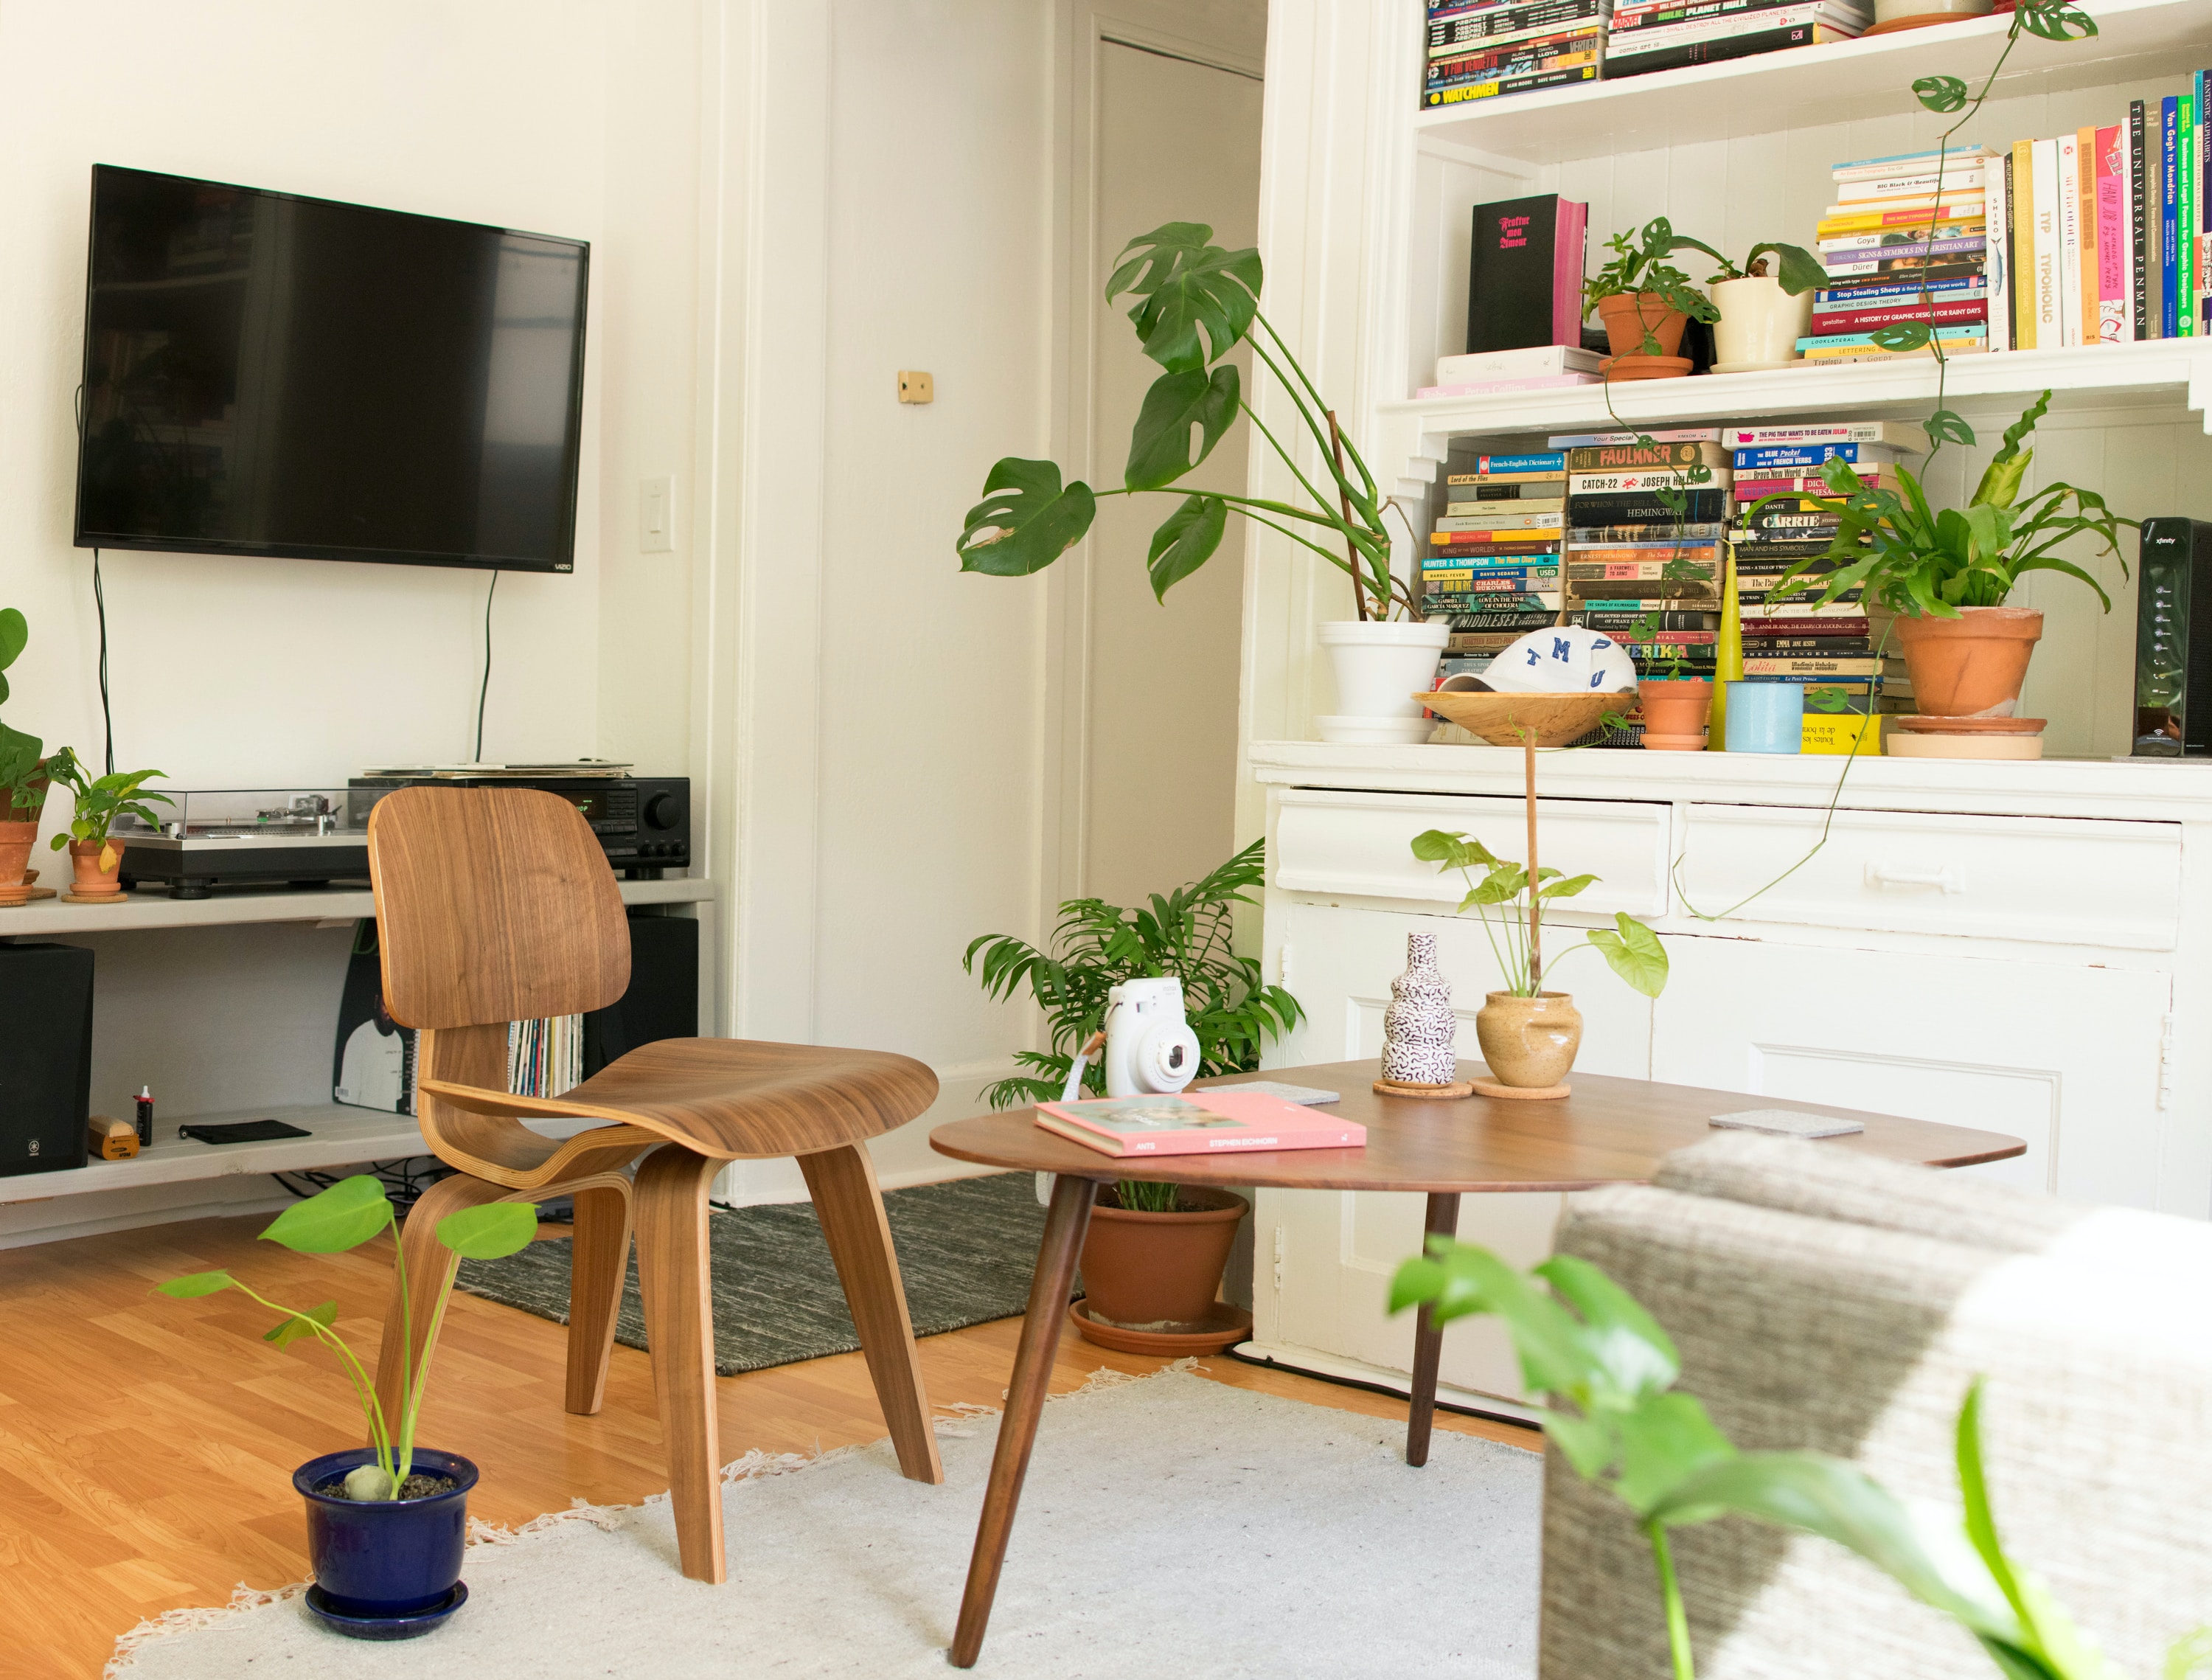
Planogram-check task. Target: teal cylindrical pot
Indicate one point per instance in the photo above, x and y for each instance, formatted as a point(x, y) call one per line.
point(1766, 717)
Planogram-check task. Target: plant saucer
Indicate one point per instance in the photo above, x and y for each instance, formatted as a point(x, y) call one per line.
point(1758, 367)
point(387, 1627)
point(1930, 725)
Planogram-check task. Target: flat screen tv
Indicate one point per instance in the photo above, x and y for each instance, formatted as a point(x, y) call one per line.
point(265, 373)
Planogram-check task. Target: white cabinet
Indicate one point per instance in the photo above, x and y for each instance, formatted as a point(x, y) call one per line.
point(2018, 969)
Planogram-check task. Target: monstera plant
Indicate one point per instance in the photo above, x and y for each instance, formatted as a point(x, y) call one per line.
point(1191, 303)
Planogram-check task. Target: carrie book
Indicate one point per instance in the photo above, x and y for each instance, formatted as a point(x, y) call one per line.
point(1200, 1123)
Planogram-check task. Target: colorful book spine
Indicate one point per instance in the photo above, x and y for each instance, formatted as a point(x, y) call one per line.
point(2201, 257)
point(2112, 183)
point(1997, 264)
point(2047, 290)
point(1554, 461)
point(2024, 313)
point(2169, 199)
point(2087, 263)
point(2140, 323)
point(2184, 216)
point(2067, 184)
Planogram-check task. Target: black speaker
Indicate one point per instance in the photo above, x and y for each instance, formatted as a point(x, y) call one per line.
point(662, 999)
point(45, 1056)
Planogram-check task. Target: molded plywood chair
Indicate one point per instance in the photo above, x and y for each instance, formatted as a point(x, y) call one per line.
point(496, 905)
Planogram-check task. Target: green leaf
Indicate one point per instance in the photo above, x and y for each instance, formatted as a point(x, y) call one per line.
point(1799, 271)
point(344, 1217)
point(1664, 1440)
point(1026, 519)
point(1590, 1446)
point(1948, 427)
point(15, 632)
point(1904, 336)
point(198, 1284)
point(1159, 445)
point(285, 1331)
point(1634, 953)
point(1638, 1357)
point(1185, 541)
point(1451, 851)
point(1941, 93)
point(490, 1231)
point(1566, 888)
point(2016, 433)
point(1186, 287)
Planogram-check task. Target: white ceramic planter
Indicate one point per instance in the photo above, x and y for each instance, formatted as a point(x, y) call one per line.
point(1759, 322)
point(1380, 665)
point(1894, 11)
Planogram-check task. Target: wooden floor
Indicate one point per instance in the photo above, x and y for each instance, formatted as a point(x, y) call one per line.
point(147, 1444)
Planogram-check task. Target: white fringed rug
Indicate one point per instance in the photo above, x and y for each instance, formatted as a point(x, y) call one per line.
point(1171, 1527)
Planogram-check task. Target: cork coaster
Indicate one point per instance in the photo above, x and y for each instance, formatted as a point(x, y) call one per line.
point(104, 899)
point(1390, 1087)
point(23, 893)
point(1523, 1093)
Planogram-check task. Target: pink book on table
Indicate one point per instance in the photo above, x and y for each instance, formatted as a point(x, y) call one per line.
point(1197, 1123)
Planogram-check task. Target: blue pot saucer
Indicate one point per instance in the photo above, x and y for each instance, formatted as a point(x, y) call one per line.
point(387, 1627)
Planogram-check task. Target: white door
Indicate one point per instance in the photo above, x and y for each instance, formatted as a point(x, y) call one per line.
point(1324, 1259)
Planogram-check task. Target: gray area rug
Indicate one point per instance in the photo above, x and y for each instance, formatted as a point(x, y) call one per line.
point(966, 1249)
point(1171, 1526)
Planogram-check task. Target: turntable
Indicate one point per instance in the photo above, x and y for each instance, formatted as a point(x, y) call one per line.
point(264, 836)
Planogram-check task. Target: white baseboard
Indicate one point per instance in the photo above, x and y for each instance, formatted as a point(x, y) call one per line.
point(1312, 1362)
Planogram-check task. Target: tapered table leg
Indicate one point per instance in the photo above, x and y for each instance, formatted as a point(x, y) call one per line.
point(1428, 1343)
point(1064, 1226)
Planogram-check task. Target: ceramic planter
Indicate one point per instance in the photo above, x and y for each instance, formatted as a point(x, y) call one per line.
point(385, 1568)
point(1156, 1270)
point(1760, 324)
point(1972, 665)
point(93, 881)
point(1891, 15)
point(1530, 1042)
point(1379, 666)
point(1675, 710)
point(1626, 318)
point(16, 840)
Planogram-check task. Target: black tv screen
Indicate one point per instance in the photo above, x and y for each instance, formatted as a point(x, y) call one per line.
point(265, 373)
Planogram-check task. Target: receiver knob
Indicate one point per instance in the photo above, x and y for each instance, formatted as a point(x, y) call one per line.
point(660, 810)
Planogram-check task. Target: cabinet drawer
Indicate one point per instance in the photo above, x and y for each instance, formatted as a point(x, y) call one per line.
point(2062, 880)
point(1353, 845)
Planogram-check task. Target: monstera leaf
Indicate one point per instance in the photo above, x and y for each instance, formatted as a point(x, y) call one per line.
point(1185, 541)
point(1159, 447)
point(1186, 287)
point(1026, 519)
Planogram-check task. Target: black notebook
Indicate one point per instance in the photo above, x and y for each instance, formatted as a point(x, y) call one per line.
point(242, 1131)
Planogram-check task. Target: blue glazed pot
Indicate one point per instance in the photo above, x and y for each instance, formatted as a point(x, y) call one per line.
point(386, 1557)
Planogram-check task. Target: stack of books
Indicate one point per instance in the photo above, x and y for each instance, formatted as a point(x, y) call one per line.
point(545, 1057)
point(1649, 36)
point(1636, 569)
point(1897, 252)
point(1493, 566)
point(1483, 49)
point(1833, 651)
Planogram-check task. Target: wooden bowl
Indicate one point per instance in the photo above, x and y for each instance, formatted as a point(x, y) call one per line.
point(1505, 720)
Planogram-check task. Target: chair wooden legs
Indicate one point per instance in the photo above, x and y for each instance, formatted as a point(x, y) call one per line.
point(673, 1272)
point(429, 1263)
point(600, 1263)
point(842, 1183)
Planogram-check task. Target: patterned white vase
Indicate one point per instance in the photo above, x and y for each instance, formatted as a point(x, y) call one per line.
point(1419, 1031)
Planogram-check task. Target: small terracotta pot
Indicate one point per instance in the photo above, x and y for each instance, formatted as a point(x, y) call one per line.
point(1530, 1042)
point(1626, 318)
point(92, 882)
point(16, 839)
point(1972, 665)
point(1159, 1269)
point(1674, 709)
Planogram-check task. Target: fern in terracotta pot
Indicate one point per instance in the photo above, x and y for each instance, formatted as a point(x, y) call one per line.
point(1947, 576)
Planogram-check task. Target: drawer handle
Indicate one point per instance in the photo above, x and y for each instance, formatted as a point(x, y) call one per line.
point(1884, 875)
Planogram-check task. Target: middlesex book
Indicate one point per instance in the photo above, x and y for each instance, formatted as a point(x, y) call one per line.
point(1198, 1122)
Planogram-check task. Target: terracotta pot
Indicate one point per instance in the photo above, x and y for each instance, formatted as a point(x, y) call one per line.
point(1972, 665)
point(1159, 1269)
point(1674, 713)
point(1530, 1042)
point(1626, 318)
point(16, 839)
point(92, 880)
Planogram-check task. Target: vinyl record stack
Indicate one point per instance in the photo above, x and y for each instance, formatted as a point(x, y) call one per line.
point(1487, 49)
point(1636, 568)
point(1906, 240)
point(1667, 34)
point(1834, 652)
point(1491, 571)
point(545, 1057)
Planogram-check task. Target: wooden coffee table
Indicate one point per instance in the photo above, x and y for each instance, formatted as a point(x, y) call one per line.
point(1610, 1131)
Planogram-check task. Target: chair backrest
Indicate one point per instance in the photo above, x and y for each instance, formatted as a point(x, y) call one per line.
point(493, 905)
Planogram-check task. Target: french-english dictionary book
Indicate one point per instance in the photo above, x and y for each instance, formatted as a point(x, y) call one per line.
point(1524, 283)
point(1218, 1121)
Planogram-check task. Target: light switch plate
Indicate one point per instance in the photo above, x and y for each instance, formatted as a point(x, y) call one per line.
point(656, 516)
point(916, 388)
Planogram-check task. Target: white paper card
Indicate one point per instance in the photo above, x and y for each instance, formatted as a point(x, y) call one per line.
point(1788, 1123)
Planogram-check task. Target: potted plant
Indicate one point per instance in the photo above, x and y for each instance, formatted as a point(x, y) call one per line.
point(96, 855)
point(1947, 575)
point(1530, 1036)
point(1155, 1252)
point(1644, 303)
point(23, 776)
point(1762, 315)
point(1674, 705)
point(385, 1522)
point(1194, 304)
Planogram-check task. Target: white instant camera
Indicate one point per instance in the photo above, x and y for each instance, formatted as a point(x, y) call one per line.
point(1149, 1044)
